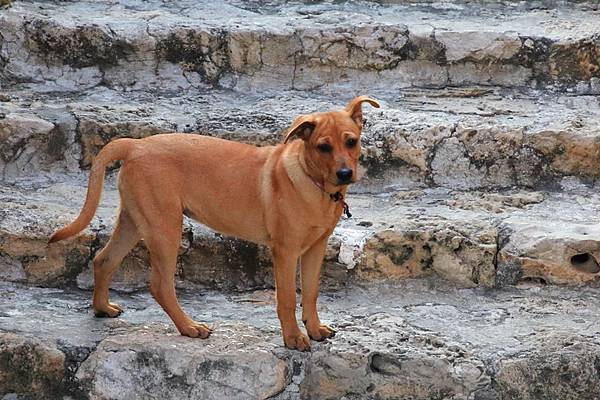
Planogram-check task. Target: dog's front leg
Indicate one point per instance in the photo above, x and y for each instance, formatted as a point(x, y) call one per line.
point(310, 264)
point(284, 269)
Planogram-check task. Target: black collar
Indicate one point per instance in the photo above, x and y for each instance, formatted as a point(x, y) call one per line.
point(337, 196)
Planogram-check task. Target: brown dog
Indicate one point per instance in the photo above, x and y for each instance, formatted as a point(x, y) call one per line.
point(288, 197)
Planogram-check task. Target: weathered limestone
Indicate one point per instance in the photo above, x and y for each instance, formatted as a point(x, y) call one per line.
point(236, 363)
point(24, 254)
point(414, 364)
point(417, 339)
point(480, 172)
point(469, 238)
point(546, 247)
point(463, 254)
point(29, 142)
point(28, 366)
point(199, 44)
point(464, 138)
point(555, 363)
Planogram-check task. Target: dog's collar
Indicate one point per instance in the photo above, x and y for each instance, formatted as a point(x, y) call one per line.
point(337, 196)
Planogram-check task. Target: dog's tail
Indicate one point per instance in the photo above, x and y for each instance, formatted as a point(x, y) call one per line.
point(115, 150)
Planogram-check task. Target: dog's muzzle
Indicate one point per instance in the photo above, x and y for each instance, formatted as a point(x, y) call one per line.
point(344, 176)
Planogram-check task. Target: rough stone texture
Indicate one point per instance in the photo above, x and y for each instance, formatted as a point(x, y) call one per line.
point(186, 44)
point(551, 246)
point(417, 339)
point(24, 254)
point(461, 138)
point(29, 142)
point(562, 355)
point(202, 262)
point(415, 364)
point(466, 107)
point(152, 363)
point(28, 366)
point(464, 254)
point(469, 238)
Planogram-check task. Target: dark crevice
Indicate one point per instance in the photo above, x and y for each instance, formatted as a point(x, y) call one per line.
point(585, 262)
point(74, 358)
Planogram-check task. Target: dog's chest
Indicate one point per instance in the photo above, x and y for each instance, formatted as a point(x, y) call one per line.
point(320, 223)
point(313, 235)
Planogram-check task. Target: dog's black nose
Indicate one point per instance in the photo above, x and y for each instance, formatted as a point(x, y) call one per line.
point(344, 175)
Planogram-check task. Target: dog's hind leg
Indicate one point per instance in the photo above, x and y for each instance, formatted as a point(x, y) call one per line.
point(163, 258)
point(123, 239)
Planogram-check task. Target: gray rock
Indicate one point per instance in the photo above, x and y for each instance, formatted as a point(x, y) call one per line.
point(452, 168)
point(562, 354)
point(462, 111)
point(469, 238)
point(462, 254)
point(235, 363)
point(184, 45)
point(29, 366)
point(464, 138)
point(416, 339)
point(478, 46)
point(541, 252)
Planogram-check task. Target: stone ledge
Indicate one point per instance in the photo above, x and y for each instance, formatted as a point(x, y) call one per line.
point(417, 340)
point(469, 238)
point(460, 138)
point(302, 46)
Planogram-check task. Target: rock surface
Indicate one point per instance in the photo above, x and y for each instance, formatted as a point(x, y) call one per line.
point(30, 366)
point(480, 179)
point(461, 138)
point(469, 238)
point(305, 46)
point(417, 339)
point(238, 364)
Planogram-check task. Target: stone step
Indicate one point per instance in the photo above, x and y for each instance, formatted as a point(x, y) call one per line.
point(469, 238)
point(417, 339)
point(305, 46)
point(467, 138)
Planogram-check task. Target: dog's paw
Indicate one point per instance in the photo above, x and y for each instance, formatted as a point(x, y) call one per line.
point(195, 330)
point(297, 341)
point(320, 332)
point(109, 310)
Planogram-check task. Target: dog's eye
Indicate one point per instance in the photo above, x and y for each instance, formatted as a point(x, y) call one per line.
point(325, 148)
point(351, 143)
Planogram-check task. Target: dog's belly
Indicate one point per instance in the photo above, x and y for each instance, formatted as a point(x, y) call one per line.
point(252, 231)
point(230, 206)
point(216, 181)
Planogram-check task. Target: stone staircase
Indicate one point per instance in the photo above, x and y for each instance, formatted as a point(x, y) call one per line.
point(469, 269)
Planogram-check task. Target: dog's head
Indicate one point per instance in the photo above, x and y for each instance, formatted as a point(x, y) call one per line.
point(332, 141)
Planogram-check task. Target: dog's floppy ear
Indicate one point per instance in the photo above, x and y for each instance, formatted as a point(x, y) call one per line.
point(354, 108)
point(302, 127)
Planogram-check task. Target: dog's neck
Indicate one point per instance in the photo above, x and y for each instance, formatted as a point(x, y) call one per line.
point(298, 171)
point(336, 197)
